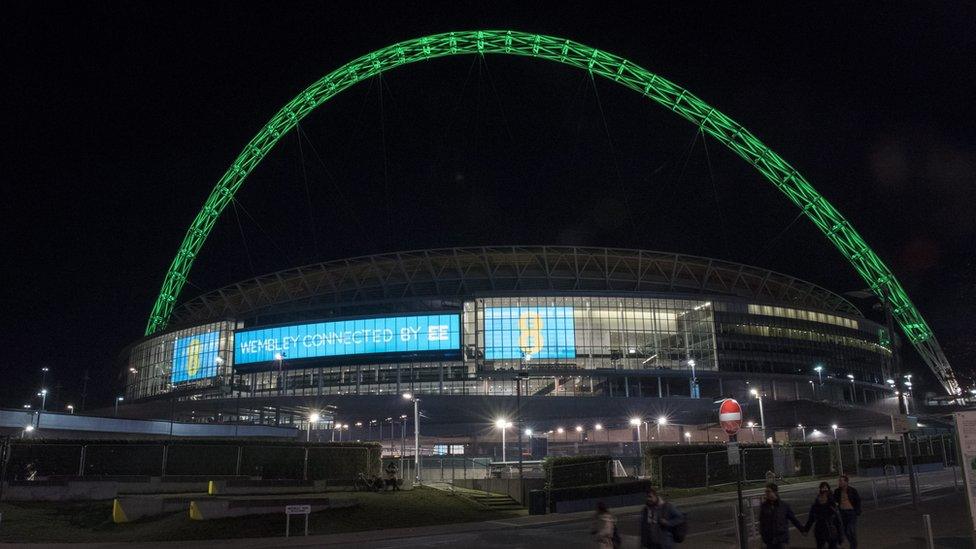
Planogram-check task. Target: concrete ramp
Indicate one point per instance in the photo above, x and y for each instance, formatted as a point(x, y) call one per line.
point(264, 487)
point(215, 508)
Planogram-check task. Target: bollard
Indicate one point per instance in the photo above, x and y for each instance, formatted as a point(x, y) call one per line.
point(735, 525)
point(929, 541)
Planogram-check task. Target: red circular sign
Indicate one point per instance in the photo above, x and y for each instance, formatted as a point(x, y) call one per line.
point(730, 416)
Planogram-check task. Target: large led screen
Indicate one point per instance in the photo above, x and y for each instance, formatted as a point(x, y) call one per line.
point(400, 334)
point(195, 357)
point(533, 332)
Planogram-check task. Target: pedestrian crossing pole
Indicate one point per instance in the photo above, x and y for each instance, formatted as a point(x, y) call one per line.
point(730, 418)
point(741, 517)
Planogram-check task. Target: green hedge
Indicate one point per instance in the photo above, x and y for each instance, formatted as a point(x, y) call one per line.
point(600, 490)
point(572, 471)
point(269, 459)
point(201, 459)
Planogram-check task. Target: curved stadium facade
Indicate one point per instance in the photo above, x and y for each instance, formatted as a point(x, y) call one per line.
point(595, 332)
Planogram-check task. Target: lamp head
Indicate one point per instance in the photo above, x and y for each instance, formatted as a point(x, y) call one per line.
point(635, 421)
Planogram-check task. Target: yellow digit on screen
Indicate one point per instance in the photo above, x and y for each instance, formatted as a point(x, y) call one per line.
point(530, 332)
point(193, 357)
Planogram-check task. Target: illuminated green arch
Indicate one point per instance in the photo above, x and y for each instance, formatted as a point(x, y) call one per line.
point(823, 214)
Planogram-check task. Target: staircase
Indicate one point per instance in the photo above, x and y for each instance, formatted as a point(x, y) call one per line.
point(489, 500)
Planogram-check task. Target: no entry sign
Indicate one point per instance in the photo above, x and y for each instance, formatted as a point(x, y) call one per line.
point(730, 416)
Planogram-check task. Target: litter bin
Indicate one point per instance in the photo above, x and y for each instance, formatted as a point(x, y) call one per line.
point(537, 502)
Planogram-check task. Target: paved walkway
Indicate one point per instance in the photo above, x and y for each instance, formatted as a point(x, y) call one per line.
point(892, 524)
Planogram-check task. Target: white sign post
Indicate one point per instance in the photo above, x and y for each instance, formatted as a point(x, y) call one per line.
point(966, 439)
point(296, 510)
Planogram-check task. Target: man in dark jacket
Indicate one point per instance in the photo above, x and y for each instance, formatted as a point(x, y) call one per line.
point(775, 517)
point(849, 502)
point(658, 519)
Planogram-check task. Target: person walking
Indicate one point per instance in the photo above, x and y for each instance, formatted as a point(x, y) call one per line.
point(605, 528)
point(825, 519)
point(849, 503)
point(659, 519)
point(775, 516)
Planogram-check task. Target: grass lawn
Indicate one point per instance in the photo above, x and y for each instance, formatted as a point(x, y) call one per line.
point(86, 522)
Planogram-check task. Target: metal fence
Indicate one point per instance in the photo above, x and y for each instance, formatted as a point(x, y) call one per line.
point(40, 460)
point(442, 468)
point(704, 469)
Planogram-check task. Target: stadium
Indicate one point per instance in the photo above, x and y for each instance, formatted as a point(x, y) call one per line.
point(569, 340)
point(593, 335)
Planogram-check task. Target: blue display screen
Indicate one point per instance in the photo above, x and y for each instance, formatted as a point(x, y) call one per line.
point(195, 357)
point(535, 332)
point(402, 334)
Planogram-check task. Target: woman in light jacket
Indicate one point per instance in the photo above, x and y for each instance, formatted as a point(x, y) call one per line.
point(604, 528)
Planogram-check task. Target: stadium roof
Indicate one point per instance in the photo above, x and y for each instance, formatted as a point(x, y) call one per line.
point(501, 270)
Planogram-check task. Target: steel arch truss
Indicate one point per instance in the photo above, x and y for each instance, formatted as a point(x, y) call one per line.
point(617, 69)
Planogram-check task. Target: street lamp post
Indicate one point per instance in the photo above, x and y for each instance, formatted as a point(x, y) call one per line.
point(403, 440)
point(280, 358)
point(503, 424)
point(694, 380)
point(840, 457)
point(853, 390)
point(660, 421)
point(762, 413)
point(579, 429)
point(599, 427)
point(118, 399)
point(71, 409)
point(312, 419)
point(802, 430)
point(518, 407)
point(636, 422)
point(416, 435)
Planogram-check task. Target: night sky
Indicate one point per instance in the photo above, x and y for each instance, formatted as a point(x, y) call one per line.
point(118, 118)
